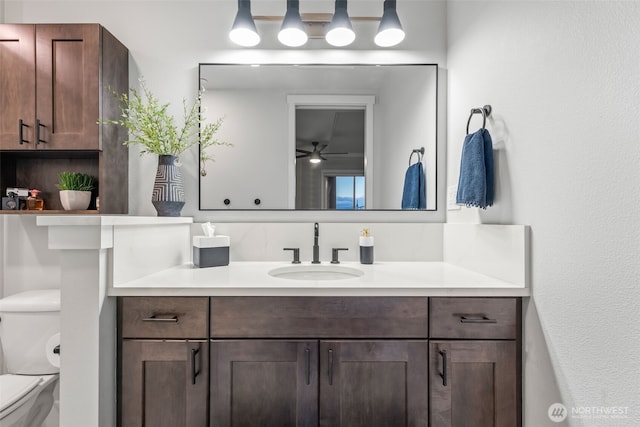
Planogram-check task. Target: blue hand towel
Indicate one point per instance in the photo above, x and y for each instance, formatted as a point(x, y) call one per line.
point(414, 195)
point(475, 186)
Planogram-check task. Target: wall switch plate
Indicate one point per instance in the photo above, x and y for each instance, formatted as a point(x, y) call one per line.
point(452, 191)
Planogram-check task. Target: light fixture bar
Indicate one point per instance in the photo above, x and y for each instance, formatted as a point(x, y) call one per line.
point(321, 18)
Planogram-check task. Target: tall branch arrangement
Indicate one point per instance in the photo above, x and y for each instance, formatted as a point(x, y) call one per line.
point(150, 125)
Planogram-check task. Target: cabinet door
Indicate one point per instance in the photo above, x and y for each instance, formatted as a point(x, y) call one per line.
point(67, 76)
point(265, 383)
point(373, 383)
point(17, 86)
point(164, 383)
point(474, 384)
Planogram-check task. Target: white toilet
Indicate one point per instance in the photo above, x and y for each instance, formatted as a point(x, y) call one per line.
point(29, 330)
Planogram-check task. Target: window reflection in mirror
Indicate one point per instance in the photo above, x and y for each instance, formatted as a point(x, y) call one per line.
point(274, 140)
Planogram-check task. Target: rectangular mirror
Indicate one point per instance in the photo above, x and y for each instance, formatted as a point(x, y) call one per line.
point(321, 137)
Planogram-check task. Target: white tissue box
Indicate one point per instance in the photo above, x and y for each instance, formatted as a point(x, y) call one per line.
point(210, 251)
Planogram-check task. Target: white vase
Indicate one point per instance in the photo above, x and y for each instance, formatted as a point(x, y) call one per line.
point(73, 200)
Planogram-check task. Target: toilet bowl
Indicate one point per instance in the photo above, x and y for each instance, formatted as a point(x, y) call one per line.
point(29, 326)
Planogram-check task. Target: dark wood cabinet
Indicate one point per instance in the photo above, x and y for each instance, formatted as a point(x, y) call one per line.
point(56, 82)
point(473, 384)
point(326, 383)
point(273, 362)
point(475, 362)
point(373, 383)
point(18, 86)
point(266, 383)
point(164, 383)
point(362, 361)
point(164, 362)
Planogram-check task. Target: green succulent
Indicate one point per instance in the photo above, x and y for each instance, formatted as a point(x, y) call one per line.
point(75, 181)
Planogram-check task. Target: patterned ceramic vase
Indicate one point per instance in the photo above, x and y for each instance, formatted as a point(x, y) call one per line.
point(168, 190)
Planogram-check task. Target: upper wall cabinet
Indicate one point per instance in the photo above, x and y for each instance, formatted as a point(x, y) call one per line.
point(55, 83)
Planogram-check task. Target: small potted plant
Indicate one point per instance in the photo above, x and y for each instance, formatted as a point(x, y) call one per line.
point(150, 125)
point(75, 190)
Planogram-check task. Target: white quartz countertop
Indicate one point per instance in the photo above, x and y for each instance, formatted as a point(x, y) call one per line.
point(379, 279)
point(84, 220)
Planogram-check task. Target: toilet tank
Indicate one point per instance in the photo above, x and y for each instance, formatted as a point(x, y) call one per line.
point(28, 320)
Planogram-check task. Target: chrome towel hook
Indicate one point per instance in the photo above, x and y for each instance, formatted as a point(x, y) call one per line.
point(485, 111)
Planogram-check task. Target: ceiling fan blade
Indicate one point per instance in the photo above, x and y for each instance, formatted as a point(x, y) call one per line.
point(334, 153)
point(323, 147)
point(301, 156)
point(303, 151)
point(323, 158)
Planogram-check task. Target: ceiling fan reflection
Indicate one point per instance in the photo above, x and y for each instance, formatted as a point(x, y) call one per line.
point(317, 155)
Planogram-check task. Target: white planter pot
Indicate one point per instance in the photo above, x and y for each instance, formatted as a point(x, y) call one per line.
point(75, 200)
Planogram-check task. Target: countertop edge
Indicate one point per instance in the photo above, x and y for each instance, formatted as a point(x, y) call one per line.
point(324, 292)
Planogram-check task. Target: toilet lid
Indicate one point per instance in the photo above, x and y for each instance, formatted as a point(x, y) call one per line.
point(15, 387)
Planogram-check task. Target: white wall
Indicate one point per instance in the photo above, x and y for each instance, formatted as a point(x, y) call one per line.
point(564, 81)
point(256, 122)
point(26, 262)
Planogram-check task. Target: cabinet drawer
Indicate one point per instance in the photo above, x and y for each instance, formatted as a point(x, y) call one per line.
point(319, 317)
point(164, 317)
point(475, 318)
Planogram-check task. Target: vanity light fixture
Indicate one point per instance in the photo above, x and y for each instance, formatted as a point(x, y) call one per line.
point(244, 31)
point(292, 33)
point(340, 31)
point(337, 28)
point(390, 31)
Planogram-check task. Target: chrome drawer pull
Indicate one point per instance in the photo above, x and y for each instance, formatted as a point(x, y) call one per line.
point(172, 318)
point(483, 319)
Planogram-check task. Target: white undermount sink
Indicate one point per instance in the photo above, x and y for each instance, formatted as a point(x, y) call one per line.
point(316, 272)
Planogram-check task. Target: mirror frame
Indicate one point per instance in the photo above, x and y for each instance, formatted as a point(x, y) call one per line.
point(436, 215)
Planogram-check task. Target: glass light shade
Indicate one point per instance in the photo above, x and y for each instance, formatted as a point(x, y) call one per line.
point(390, 31)
point(244, 32)
point(292, 37)
point(315, 157)
point(390, 37)
point(292, 33)
point(340, 31)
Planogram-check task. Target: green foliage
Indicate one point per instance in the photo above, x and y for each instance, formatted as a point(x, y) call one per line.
point(151, 126)
point(75, 181)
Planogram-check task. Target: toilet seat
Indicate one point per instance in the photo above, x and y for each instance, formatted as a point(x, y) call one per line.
point(17, 389)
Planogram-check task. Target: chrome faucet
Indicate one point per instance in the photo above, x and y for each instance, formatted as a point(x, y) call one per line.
point(316, 248)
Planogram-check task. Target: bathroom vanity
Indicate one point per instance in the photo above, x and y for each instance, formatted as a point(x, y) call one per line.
point(328, 361)
point(425, 343)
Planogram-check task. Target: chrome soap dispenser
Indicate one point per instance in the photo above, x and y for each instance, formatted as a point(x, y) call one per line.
point(366, 247)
